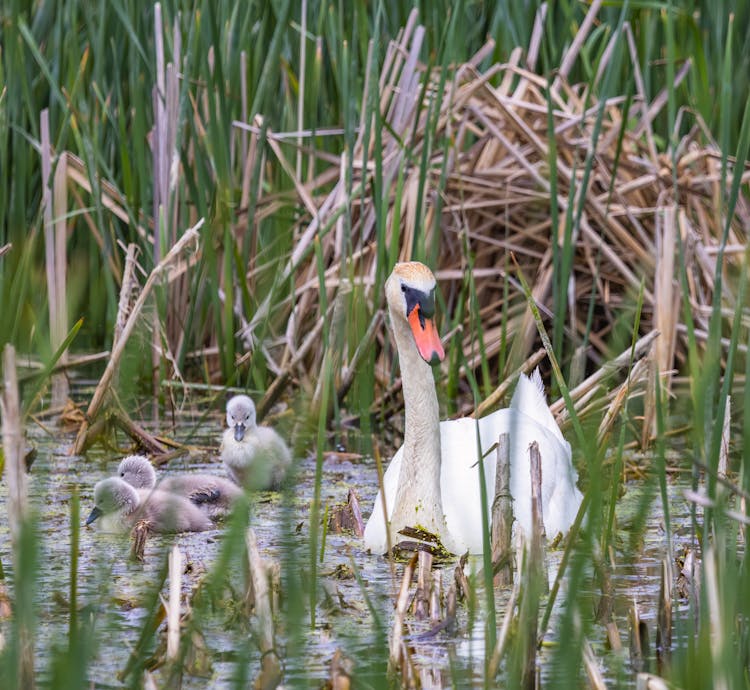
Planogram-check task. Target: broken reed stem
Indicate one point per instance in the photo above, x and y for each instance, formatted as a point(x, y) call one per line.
point(150, 443)
point(270, 666)
point(190, 235)
point(173, 612)
point(394, 658)
point(15, 477)
point(55, 251)
point(664, 618)
point(536, 579)
point(341, 671)
point(503, 634)
point(639, 643)
point(15, 472)
point(139, 534)
point(593, 672)
point(723, 465)
point(642, 346)
point(424, 579)
point(126, 292)
point(502, 515)
point(435, 595)
point(538, 534)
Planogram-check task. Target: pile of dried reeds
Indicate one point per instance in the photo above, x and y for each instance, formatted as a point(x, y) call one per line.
point(471, 174)
point(494, 176)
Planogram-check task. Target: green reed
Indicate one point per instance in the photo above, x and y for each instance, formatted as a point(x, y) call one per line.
point(94, 67)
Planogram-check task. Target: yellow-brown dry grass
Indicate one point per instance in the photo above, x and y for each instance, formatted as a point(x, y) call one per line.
point(466, 174)
point(491, 145)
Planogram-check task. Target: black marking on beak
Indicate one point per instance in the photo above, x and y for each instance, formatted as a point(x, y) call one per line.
point(93, 515)
point(418, 298)
point(239, 431)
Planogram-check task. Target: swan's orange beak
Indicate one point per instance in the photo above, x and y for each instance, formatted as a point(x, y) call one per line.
point(426, 337)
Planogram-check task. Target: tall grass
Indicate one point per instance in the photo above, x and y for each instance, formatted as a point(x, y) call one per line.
point(99, 91)
point(242, 309)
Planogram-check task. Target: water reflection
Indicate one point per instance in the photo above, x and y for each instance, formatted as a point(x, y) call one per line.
point(355, 589)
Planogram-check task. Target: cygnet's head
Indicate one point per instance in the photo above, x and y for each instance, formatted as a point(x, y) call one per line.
point(240, 415)
point(110, 495)
point(410, 293)
point(137, 471)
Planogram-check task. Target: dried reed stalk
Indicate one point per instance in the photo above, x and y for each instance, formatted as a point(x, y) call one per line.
point(486, 191)
point(190, 235)
point(504, 632)
point(15, 471)
point(396, 643)
point(173, 609)
point(664, 617)
point(639, 642)
point(502, 515)
point(15, 477)
point(128, 288)
point(424, 582)
point(55, 251)
point(723, 465)
point(341, 671)
point(593, 672)
point(496, 159)
point(270, 667)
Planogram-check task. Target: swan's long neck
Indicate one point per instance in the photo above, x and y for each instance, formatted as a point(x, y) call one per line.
point(418, 497)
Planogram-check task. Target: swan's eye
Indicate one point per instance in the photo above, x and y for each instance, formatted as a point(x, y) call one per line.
point(403, 287)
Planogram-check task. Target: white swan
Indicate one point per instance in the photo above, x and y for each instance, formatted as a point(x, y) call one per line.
point(255, 457)
point(120, 506)
point(433, 479)
point(215, 495)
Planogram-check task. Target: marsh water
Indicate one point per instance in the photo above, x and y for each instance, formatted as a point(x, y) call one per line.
point(354, 593)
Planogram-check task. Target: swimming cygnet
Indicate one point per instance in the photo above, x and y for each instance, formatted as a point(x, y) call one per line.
point(256, 457)
point(121, 506)
point(213, 494)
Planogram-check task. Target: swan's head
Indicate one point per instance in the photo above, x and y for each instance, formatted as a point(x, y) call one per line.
point(240, 415)
point(137, 471)
point(110, 495)
point(410, 292)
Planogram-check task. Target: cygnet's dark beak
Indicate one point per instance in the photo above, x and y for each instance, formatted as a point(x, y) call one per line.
point(93, 515)
point(239, 431)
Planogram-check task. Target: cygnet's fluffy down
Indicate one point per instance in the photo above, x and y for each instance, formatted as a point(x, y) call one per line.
point(255, 457)
point(121, 506)
point(214, 495)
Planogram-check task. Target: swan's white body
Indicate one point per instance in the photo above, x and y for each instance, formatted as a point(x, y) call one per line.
point(433, 479)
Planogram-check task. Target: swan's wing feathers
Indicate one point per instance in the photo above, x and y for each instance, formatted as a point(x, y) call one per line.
point(459, 480)
point(375, 537)
point(530, 399)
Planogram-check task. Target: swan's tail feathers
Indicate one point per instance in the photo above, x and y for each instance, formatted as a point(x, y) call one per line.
point(530, 399)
